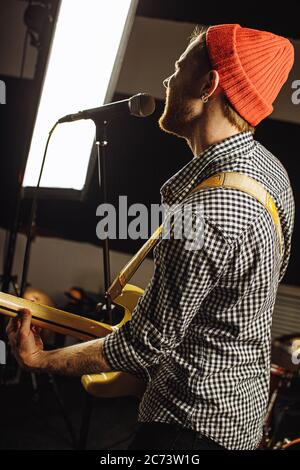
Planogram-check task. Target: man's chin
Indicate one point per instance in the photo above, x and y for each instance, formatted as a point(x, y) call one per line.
point(169, 126)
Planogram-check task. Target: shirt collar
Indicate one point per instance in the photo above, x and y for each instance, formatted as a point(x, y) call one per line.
point(209, 162)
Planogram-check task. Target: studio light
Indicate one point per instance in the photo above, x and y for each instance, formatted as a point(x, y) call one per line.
point(84, 62)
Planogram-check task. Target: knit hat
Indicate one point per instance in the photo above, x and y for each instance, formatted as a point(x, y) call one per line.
point(252, 65)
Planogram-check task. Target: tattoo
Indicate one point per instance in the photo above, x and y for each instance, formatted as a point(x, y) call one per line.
point(76, 360)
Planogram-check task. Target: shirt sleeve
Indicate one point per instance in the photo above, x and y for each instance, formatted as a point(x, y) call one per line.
point(182, 278)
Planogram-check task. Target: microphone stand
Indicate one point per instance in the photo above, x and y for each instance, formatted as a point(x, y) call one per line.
point(101, 146)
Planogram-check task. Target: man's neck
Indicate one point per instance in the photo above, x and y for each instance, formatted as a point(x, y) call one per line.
point(206, 134)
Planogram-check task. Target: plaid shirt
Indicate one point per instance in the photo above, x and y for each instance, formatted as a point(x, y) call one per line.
point(201, 333)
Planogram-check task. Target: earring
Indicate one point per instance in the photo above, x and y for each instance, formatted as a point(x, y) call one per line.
point(204, 98)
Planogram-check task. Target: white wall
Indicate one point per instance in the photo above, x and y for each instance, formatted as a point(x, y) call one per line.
point(56, 265)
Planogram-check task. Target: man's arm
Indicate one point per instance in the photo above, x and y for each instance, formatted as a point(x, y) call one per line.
point(76, 360)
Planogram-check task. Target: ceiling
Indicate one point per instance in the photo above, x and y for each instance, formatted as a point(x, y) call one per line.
point(277, 17)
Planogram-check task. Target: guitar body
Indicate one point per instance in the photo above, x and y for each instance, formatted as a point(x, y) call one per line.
point(117, 384)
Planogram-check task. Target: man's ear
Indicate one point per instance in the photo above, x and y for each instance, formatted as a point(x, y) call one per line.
point(211, 83)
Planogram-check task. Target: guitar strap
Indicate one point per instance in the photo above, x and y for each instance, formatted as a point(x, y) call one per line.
point(233, 180)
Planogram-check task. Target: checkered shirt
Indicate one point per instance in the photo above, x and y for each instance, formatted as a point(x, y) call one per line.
point(201, 332)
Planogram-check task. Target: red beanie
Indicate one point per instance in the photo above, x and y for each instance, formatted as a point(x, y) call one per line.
point(253, 65)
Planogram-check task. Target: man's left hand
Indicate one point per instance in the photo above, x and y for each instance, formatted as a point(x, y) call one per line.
point(25, 340)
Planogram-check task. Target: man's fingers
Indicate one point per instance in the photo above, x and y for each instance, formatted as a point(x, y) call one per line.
point(36, 329)
point(25, 317)
point(12, 326)
point(12, 331)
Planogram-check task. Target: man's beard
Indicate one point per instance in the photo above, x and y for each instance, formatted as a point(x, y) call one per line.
point(177, 116)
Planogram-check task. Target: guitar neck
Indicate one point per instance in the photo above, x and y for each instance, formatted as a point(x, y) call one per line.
point(54, 319)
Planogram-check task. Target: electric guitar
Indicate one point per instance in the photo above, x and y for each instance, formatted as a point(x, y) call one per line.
point(113, 384)
point(109, 384)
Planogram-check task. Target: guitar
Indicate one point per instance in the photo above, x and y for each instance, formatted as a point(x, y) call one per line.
point(114, 384)
point(105, 385)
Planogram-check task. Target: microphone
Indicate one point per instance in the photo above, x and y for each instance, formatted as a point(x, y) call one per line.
point(141, 105)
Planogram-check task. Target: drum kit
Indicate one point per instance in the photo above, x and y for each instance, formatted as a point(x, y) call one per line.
point(285, 372)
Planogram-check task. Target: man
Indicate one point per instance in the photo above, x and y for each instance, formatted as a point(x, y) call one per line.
point(201, 332)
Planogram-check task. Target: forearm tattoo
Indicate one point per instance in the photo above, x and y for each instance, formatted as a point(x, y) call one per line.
point(76, 360)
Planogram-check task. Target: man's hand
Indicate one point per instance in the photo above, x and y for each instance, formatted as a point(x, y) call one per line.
point(25, 340)
point(40, 297)
point(76, 360)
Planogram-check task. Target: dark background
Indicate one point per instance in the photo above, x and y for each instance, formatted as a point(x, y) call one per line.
point(140, 156)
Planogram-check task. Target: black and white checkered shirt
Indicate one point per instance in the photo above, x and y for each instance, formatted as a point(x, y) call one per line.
point(201, 332)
